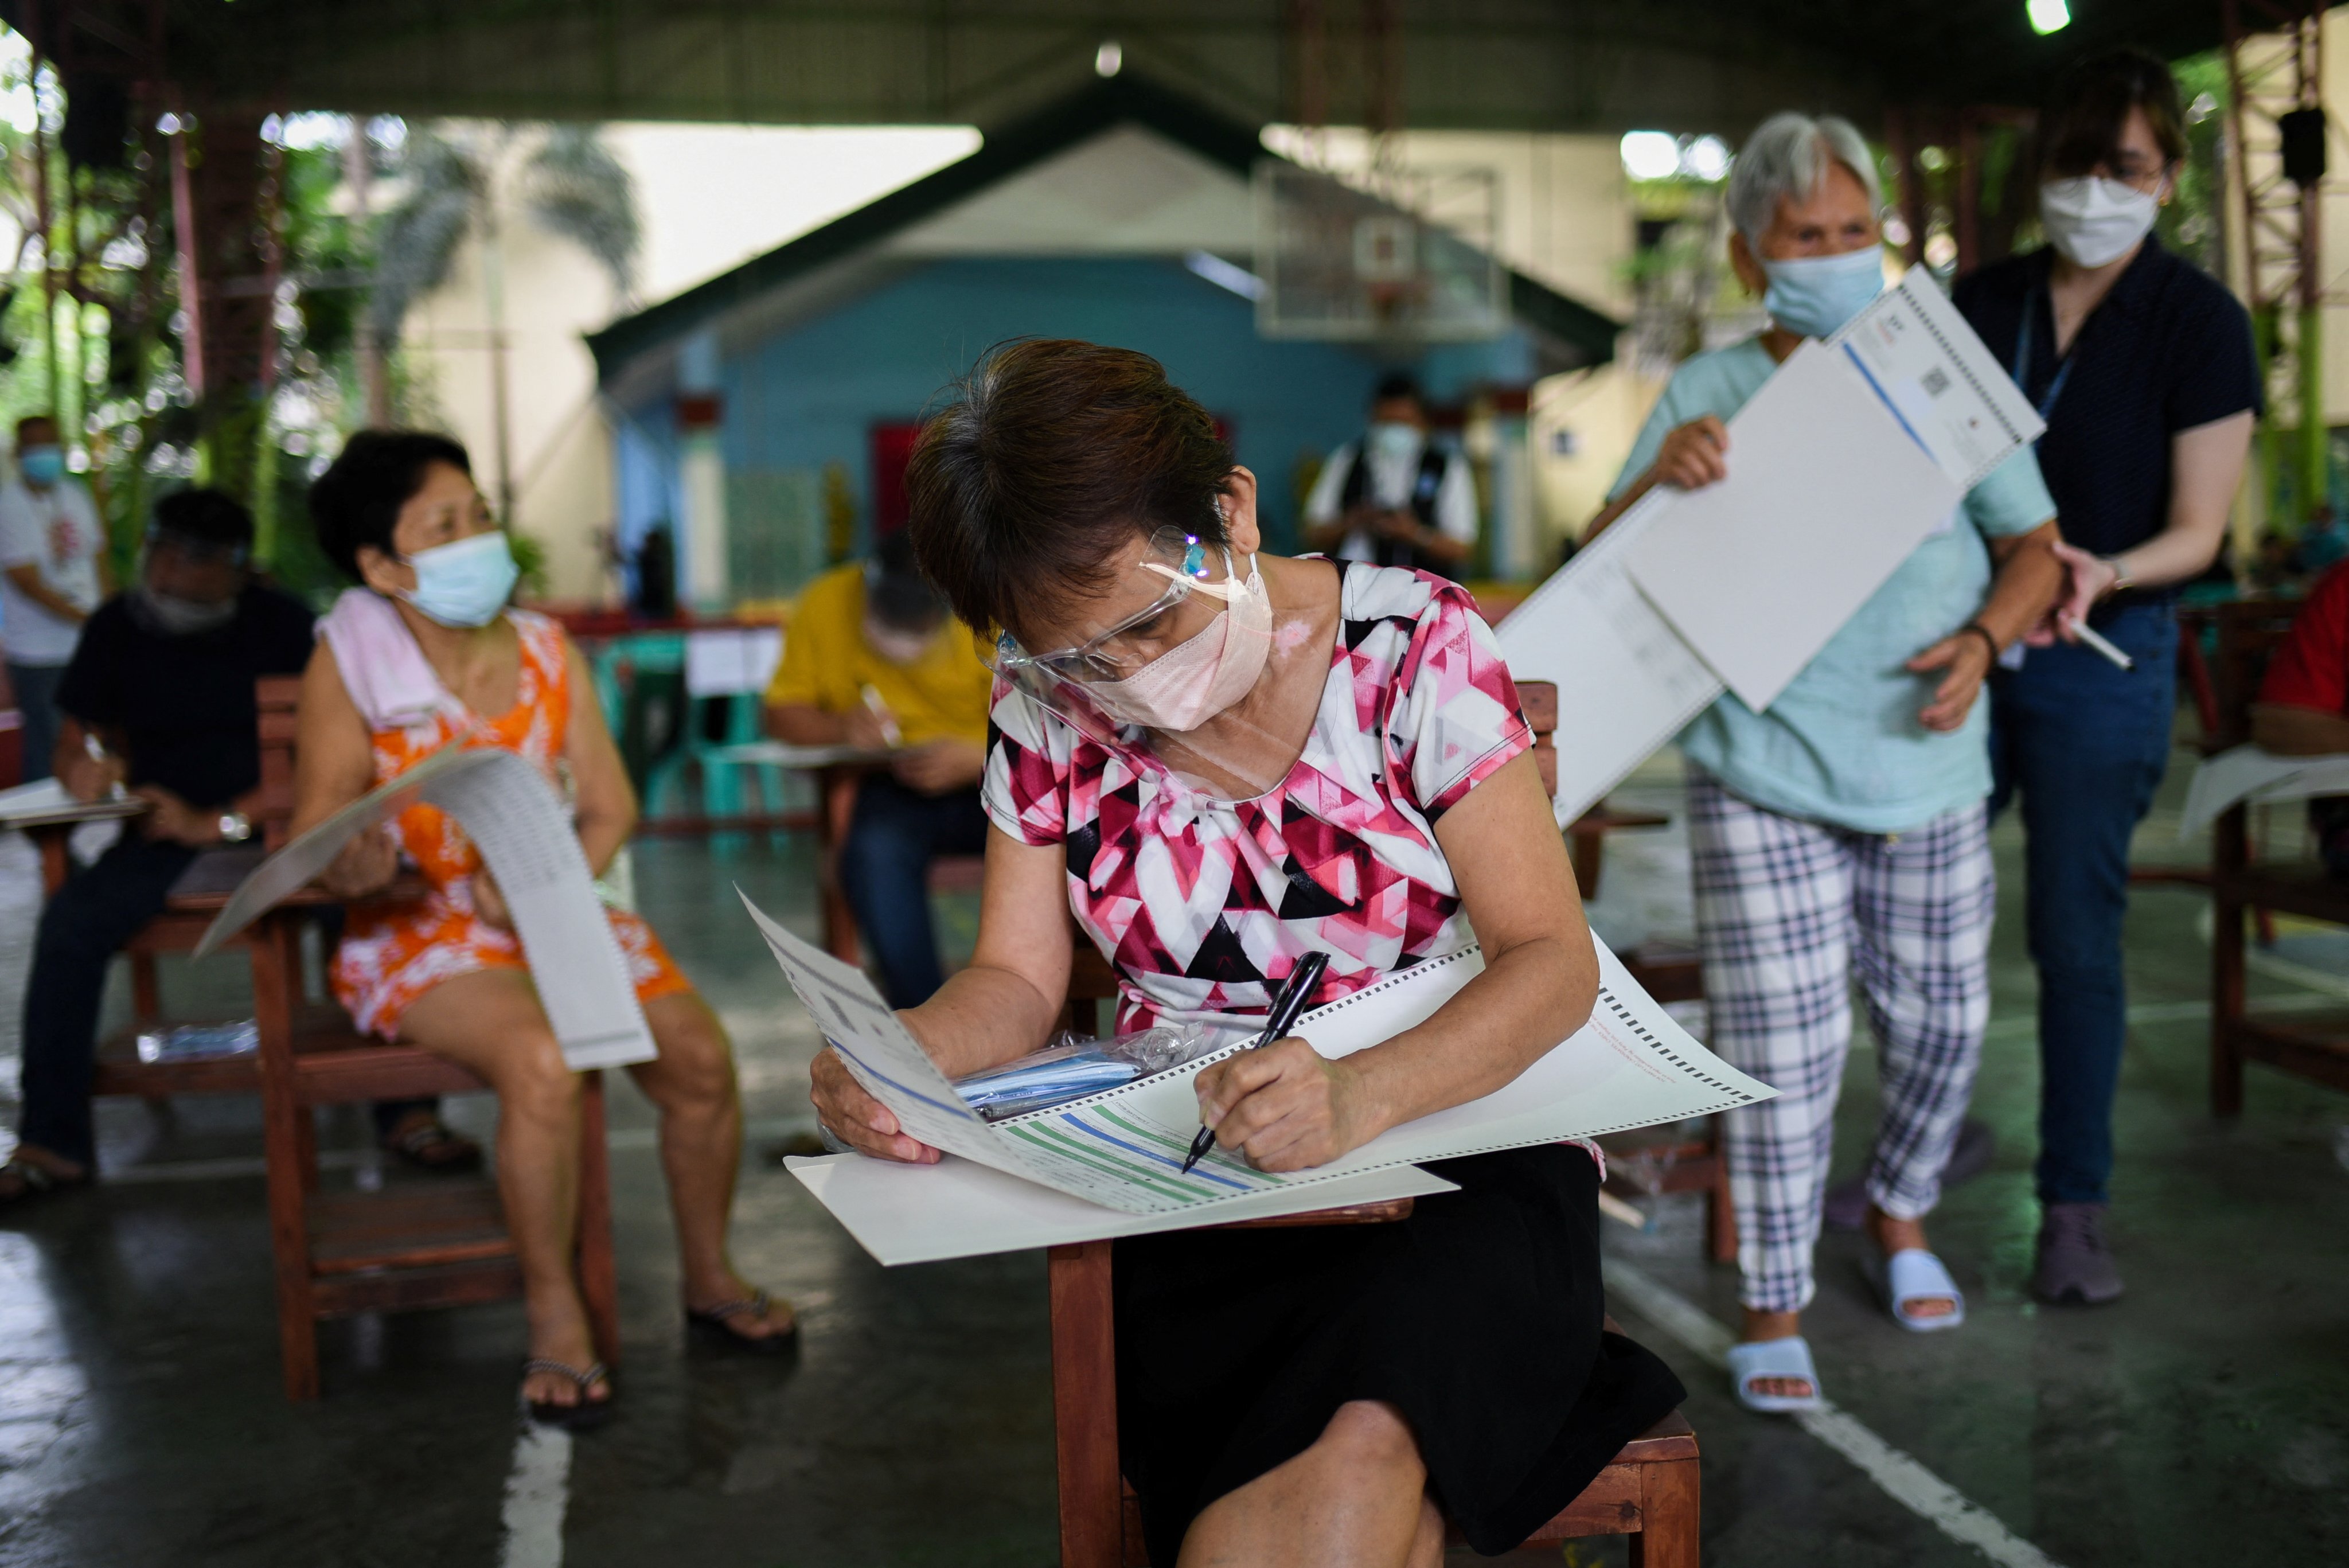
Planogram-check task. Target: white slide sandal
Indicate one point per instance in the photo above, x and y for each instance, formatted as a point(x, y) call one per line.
point(1762, 1359)
point(1914, 1275)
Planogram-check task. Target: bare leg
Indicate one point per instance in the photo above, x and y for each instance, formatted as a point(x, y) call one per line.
point(1356, 1498)
point(489, 1022)
point(692, 1085)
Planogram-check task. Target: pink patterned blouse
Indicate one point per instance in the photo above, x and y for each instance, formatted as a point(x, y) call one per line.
point(1203, 905)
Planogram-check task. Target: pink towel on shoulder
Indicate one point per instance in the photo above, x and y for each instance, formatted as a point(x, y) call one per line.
point(384, 671)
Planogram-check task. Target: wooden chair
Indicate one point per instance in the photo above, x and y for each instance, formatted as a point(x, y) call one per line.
point(835, 809)
point(1669, 971)
point(440, 1242)
point(1650, 1493)
point(2312, 1046)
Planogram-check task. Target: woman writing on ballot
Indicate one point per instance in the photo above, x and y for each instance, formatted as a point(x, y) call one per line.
point(1220, 761)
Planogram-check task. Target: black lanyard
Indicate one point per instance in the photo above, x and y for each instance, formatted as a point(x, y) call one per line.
point(2023, 359)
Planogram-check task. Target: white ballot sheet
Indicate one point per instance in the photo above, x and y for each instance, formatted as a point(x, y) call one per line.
point(525, 836)
point(1631, 1066)
point(2260, 776)
point(47, 801)
point(1952, 396)
point(1826, 495)
point(1626, 682)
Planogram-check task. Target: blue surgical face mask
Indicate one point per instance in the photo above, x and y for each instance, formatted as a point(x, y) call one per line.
point(1815, 295)
point(464, 584)
point(42, 464)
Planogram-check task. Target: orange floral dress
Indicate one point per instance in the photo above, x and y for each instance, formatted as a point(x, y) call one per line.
point(393, 953)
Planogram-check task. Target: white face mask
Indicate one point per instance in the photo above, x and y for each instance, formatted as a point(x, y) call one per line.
point(899, 647)
point(2094, 221)
point(1394, 440)
point(1201, 675)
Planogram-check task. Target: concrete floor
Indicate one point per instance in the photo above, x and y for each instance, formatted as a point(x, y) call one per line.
point(140, 1420)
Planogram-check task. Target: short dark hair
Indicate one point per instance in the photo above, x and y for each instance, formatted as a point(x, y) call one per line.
point(36, 419)
point(206, 517)
point(2081, 126)
point(1053, 453)
point(1397, 384)
point(357, 500)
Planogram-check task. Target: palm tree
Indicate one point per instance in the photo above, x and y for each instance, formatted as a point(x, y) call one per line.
point(571, 186)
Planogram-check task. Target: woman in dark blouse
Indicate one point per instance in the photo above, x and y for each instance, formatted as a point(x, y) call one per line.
point(2142, 366)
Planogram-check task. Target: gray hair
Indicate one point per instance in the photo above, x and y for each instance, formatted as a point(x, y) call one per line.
point(1788, 155)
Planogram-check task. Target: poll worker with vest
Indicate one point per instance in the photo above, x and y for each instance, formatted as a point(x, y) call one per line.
point(2142, 366)
point(1395, 497)
point(871, 660)
point(1842, 835)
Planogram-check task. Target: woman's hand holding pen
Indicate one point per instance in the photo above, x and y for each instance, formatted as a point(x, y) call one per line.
point(856, 1119)
point(1287, 1107)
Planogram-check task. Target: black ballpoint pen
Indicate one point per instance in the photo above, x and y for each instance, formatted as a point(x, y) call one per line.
point(1287, 1009)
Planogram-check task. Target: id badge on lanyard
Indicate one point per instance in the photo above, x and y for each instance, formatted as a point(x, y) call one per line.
point(2046, 404)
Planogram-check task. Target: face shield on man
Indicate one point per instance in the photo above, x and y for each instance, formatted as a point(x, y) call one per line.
point(1174, 677)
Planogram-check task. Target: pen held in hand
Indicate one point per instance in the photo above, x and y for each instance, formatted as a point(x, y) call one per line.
point(1287, 1009)
point(880, 710)
point(2096, 641)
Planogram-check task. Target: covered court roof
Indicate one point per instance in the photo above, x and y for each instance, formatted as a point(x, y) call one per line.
point(1546, 65)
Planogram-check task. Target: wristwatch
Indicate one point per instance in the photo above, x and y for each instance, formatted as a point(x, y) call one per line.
point(235, 827)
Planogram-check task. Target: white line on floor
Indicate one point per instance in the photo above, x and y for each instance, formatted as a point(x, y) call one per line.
point(538, 1493)
point(1902, 1478)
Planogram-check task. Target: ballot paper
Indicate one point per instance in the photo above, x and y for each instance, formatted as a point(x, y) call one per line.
point(1846, 460)
point(47, 801)
point(1123, 1149)
point(1626, 683)
point(2255, 774)
point(783, 754)
point(525, 834)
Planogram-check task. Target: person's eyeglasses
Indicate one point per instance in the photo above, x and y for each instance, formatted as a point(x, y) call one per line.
point(1102, 656)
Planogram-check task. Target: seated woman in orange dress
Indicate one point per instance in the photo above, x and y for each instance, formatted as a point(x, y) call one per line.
point(426, 652)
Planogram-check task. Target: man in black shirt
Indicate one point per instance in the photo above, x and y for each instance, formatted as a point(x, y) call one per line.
point(158, 699)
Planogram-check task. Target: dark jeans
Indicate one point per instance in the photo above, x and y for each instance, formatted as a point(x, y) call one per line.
point(36, 686)
point(2086, 743)
point(82, 928)
point(885, 865)
point(86, 922)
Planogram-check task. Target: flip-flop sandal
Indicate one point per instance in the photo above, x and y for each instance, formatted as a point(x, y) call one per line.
point(34, 1181)
point(1760, 1359)
point(432, 1146)
point(713, 1324)
point(576, 1417)
point(1915, 1275)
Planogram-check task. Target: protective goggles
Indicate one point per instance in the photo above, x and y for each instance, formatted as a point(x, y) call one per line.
point(1136, 639)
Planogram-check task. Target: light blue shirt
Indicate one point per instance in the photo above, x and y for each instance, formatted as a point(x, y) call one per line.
point(1842, 744)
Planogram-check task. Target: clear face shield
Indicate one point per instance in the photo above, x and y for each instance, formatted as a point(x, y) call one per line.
point(1179, 666)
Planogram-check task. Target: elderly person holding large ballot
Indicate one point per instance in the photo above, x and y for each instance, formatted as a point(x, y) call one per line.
point(1843, 832)
point(1221, 761)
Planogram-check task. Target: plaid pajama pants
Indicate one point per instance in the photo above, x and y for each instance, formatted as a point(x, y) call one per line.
point(1789, 912)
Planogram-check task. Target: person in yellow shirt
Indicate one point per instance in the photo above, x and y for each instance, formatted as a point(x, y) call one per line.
point(871, 659)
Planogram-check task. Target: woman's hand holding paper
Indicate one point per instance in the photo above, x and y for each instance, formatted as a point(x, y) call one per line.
point(1693, 455)
point(363, 865)
point(1287, 1107)
point(856, 1119)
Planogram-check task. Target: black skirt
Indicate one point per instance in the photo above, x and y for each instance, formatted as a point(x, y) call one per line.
point(1478, 1318)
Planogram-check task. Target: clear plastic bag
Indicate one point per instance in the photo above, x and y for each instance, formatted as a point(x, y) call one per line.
point(1073, 1067)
